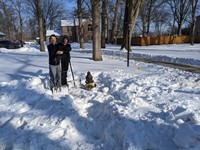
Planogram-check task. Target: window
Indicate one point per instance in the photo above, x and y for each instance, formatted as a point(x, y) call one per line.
point(69, 29)
point(90, 37)
point(89, 27)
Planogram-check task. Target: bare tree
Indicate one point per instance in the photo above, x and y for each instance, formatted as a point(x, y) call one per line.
point(88, 4)
point(31, 28)
point(18, 7)
point(146, 16)
point(131, 13)
point(148, 13)
point(103, 22)
point(142, 22)
point(80, 17)
point(17, 16)
point(121, 17)
point(180, 9)
point(161, 21)
point(97, 54)
point(52, 12)
point(40, 24)
point(109, 18)
point(151, 3)
point(114, 22)
point(194, 7)
point(7, 20)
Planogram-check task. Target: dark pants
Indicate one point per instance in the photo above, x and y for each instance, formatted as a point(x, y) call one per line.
point(65, 66)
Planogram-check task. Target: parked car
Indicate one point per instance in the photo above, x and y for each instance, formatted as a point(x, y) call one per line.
point(9, 45)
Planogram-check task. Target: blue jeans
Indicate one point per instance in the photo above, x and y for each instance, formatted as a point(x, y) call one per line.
point(55, 76)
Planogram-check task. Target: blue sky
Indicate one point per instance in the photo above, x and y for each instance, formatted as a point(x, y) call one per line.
point(70, 4)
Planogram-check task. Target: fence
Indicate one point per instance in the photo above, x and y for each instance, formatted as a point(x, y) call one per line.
point(159, 40)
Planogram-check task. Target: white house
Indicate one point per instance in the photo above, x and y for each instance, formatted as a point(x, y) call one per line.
point(2, 36)
point(58, 33)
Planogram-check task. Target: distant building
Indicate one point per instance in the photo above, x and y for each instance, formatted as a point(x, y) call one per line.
point(2, 36)
point(58, 33)
point(71, 29)
point(197, 27)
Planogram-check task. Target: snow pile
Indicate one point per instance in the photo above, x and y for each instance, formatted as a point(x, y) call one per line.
point(188, 137)
point(151, 108)
point(26, 48)
point(30, 118)
point(124, 112)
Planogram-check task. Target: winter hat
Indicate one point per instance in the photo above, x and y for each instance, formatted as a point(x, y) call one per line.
point(65, 37)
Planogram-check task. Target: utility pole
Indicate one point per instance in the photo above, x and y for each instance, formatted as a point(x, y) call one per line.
point(129, 43)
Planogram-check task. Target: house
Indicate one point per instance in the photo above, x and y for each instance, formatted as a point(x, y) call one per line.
point(197, 26)
point(2, 36)
point(71, 29)
point(58, 33)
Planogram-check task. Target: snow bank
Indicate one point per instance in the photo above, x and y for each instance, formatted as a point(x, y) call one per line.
point(188, 137)
point(26, 48)
point(124, 112)
point(152, 108)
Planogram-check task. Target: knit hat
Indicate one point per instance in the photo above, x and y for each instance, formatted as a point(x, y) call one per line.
point(65, 37)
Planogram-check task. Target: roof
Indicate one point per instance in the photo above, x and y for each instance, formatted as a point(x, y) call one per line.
point(56, 32)
point(70, 22)
point(2, 34)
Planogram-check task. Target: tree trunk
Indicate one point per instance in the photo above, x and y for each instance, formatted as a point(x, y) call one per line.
point(194, 6)
point(108, 29)
point(130, 16)
point(120, 20)
point(149, 17)
point(114, 23)
point(125, 30)
point(21, 29)
point(179, 28)
point(75, 38)
point(40, 24)
point(144, 30)
point(103, 21)
point(97, 54)
point(44, 22)
point(173, 26)
point(80, 16)
point(193, 24)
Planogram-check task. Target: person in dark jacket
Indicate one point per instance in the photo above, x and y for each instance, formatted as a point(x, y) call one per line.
point(66, 48)
point(54, 68)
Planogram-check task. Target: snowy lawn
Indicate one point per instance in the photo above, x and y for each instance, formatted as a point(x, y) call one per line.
point(180, 54)
point(150, 108)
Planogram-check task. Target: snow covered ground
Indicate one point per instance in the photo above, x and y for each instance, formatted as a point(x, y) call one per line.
point(143, 107)
point(181, 54)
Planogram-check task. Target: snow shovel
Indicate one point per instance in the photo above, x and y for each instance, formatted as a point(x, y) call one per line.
point(70, 65)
